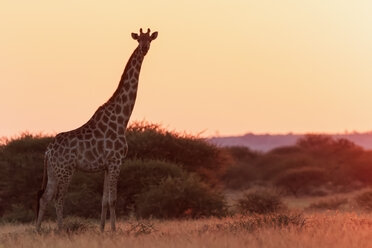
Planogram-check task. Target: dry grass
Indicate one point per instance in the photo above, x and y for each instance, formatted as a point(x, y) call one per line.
point(319, 230)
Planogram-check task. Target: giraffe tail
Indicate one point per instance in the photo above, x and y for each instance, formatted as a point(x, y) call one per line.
point(43, 186)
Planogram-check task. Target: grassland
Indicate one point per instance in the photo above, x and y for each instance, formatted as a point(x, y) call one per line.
point(327, 229)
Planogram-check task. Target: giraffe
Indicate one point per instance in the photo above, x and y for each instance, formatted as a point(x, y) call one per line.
point(98, 145)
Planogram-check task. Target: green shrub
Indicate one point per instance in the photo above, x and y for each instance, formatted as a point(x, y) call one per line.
point(329, 204)
point(240, 176)
point(151, 142)
point(138, 176)
point(18, 213)
point(315, 142)
point(27, 143)
point(272, 165)
point(242, 170)
point(260, 202)
point(242, 154)
point(301, 181)
point(286, 150)
point(359, 169)
point(21, 170)
point(84, 196)
point(180, 197)
point(325, 145)
point(364, 200)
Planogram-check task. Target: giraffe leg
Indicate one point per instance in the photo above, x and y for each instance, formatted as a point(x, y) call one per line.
point(105, 201)
point(45, 199)
point(113, 176)
point(61, 192)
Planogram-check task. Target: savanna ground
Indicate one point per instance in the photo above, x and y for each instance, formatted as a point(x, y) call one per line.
point(328, 224)
point(177, 190)
point(331, 229)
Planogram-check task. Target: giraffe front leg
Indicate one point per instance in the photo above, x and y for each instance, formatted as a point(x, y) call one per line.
point(59, 200)
point(105, 201)
point(113, 176)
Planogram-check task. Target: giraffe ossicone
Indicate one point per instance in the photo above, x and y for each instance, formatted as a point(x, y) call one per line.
point(98, 145)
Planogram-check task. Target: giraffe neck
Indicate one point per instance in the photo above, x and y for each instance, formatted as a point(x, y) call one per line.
point(125, 95)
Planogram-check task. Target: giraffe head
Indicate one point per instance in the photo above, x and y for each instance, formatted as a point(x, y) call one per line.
point(144, 40)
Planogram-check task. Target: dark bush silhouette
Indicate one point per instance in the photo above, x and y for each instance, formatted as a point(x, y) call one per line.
point(242, 171)
point(27, 143)
point(21, 170)
point(150, 141)
point(301, 181)
point(286, 150)
point(329, 204)
point(260, 202)
point(242, 154)
point(180, 197)
point(364, 201)
point(136, 177)
point(272, 165)
point(345, 166)
point(323, 145)
point(17, 213)
point(316, 163)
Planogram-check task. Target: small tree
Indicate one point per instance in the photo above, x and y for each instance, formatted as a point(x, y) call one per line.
point(180, 197)
point(260, 202)
point(301, 180)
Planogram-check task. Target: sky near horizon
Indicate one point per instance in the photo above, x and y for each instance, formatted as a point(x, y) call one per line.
point(222, 67)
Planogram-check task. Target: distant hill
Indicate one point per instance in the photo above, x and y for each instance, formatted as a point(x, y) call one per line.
point(267, 142)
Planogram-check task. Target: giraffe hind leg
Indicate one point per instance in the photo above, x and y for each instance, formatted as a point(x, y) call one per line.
point(105, 202)
point(46, 197)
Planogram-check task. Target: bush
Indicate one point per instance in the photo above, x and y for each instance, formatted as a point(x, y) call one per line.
point(330, 204)
point(325, 145)
point(242, 154)
point(27, 143)
point(151, 142)
point(138, 176)
point(243, 170)
point(272, 165)
point(240, 176)
point(286, 150)
point(180, 197)
point(301, 181)
point(18, 213)
point(260, 202)
point(364, 200)
point(84, 196)
point(315, 142)
point(21, 170)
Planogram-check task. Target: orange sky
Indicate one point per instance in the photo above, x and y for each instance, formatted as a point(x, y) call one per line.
point(222, 66)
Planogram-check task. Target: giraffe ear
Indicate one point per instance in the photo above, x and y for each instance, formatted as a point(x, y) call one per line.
point(135, 36)
point(154, 35)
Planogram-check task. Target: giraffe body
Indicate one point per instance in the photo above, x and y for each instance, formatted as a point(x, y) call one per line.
point(98, 145)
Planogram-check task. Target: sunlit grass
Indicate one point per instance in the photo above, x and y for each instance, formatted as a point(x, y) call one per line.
point(328, 229)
